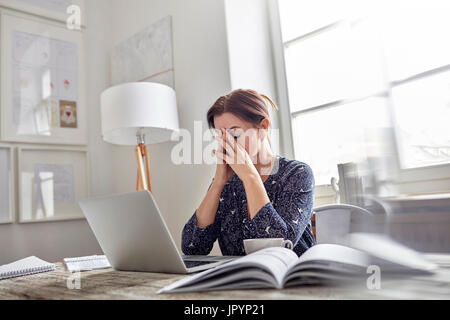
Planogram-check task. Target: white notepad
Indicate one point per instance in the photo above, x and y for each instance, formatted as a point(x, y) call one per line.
point(25, 267)
point(87, 263)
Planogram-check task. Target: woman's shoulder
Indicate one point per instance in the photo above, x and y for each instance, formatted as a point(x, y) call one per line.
point(296, 172)
point(289, 167)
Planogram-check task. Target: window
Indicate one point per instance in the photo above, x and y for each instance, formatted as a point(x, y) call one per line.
point(355, 68)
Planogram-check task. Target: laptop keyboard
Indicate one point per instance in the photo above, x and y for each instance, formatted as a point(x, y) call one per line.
point(191, 264)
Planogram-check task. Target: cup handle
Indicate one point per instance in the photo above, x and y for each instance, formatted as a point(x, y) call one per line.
point(289, 244)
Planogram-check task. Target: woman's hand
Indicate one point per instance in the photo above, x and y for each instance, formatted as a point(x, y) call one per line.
point(223, 170)
point(236, 157)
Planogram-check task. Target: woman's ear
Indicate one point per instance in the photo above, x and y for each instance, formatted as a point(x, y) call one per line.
point(264, 124)
point(263, 127)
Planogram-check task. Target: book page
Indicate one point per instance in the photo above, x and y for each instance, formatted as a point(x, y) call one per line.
point(389, 253)
point(327, 261)
point(275, 261)
point(244, 278)
point(334, 253)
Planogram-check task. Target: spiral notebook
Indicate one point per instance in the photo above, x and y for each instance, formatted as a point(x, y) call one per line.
point(25, 267)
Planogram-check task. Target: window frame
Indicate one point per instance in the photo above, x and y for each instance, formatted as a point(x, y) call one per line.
point(428, 179)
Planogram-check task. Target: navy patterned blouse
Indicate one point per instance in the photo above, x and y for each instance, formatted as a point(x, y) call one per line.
point(290, 189)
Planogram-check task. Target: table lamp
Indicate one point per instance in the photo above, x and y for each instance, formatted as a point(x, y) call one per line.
point(139, 113)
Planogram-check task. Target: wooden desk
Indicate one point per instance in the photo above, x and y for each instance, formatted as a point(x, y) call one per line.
point(111, 284)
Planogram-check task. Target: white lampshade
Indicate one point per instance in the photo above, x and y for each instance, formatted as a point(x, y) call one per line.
point(148, 106)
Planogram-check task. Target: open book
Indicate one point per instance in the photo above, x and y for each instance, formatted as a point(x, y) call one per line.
point(279, 267)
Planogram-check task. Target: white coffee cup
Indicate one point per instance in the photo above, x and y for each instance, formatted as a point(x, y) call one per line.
point(252, 245)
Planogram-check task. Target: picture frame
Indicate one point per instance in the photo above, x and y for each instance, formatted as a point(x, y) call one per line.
point(7, 184)
point(51, 181)
point(43, 94)
point(52, 9)
point(152, 48)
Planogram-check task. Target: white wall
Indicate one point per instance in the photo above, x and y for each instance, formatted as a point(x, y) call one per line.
point(53, 241)
point(250, 53)
point(202, 74)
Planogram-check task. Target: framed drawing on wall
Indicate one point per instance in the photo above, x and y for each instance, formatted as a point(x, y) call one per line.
point(51, 181)
point(54, 9)
point(7, 207)
point(42, 82)
point(146, 56)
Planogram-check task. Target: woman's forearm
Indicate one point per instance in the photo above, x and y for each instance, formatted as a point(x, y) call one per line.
point(206, 212)
point(256, 194)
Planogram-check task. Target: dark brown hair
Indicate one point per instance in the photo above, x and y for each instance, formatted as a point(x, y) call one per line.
point(247, 105)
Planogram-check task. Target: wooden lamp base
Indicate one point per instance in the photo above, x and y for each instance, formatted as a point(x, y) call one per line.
point(143, 171)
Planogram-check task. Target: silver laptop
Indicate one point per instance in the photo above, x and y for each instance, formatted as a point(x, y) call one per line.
point(134, 237)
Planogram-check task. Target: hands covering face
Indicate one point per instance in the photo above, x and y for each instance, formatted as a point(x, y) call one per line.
point(235, 155)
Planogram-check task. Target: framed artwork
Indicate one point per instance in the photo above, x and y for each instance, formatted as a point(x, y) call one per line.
point(54, 9)
point(42, 82)
point(51, 181)
point(146, 56)
point(7, 208)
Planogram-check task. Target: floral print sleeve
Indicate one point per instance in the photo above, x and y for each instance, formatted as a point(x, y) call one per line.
point(199, 241)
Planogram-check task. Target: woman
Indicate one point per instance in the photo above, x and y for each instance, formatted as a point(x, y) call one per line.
point(254, 193)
